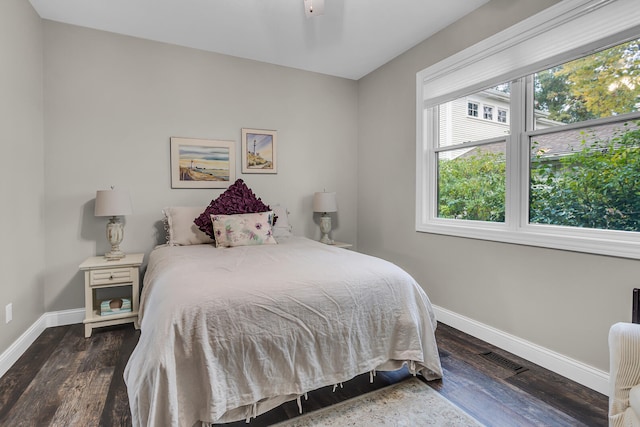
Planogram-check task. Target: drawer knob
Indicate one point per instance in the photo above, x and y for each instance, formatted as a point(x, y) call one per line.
point(111, 277)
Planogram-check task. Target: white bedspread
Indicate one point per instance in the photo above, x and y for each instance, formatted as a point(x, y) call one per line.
point(233, 332)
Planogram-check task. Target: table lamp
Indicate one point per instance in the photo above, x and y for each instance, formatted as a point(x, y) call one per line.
point(113, 203)
point(325, 202)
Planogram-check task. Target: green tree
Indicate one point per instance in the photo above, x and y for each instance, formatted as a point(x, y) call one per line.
point(595, 187)
point(608, 82)
point(472, 187)
point(600, 85)
point(553, 95)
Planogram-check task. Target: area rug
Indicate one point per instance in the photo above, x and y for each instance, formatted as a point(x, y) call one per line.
point(410, 403)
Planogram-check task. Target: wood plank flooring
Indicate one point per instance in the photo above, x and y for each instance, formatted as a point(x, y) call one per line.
point(66, 380)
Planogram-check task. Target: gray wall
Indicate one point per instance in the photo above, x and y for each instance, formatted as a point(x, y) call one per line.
point(560, 300)
point(21, 168)
point(111, 104)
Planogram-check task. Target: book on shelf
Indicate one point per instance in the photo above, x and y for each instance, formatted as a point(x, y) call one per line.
point(115, 306)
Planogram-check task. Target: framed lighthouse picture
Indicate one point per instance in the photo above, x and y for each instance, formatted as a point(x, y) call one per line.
point(259, 151)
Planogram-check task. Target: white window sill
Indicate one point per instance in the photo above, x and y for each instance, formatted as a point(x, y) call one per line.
point(600, 242)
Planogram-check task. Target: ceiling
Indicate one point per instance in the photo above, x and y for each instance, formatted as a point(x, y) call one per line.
point(351, 39)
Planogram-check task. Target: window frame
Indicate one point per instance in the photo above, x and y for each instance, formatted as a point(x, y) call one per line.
point(516, 228)
point(476, 110)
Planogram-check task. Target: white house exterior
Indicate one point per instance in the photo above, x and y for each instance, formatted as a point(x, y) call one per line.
point(482, 115)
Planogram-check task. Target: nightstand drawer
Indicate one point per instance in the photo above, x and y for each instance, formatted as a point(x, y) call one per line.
point(115, 275)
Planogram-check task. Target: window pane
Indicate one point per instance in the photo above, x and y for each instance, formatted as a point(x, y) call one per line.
point(472, 109)
point(471, 183)
point(604, 84)
point(587, 177)
point(472, 118)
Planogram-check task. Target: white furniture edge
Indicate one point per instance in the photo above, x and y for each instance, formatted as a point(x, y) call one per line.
point(342, 245)
point(575, 370)
point(47, 320)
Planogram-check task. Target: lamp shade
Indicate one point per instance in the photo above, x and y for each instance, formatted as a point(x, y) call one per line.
point(113, 203)
point(324, 202)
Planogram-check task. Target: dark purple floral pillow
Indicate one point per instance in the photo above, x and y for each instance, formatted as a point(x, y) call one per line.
point(238, 199)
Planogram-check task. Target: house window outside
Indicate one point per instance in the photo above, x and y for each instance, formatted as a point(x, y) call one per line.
point(578, 127)
point(488, 112)
point(472, 109)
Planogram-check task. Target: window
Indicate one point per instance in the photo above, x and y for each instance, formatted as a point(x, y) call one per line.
point(472, 109)
point(556, 159)
point(502, 116)
point(470, 161)
point(585, 154)
point(488, 112)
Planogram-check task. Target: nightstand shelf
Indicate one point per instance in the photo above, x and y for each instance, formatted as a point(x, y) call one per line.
point(100, 274)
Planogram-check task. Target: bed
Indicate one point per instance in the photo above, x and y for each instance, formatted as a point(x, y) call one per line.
point(229, 333)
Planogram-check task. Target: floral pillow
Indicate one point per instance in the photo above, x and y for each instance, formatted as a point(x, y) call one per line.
point(243, 229)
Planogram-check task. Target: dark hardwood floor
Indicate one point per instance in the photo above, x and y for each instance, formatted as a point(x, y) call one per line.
point(66, 380)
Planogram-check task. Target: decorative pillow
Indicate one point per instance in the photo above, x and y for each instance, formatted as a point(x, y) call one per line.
point(237, 199)
point(181, 231)
point(281, 228)
point(243, 229)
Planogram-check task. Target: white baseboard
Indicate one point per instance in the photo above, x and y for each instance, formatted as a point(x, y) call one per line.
point(47, 320)
point(570, 368)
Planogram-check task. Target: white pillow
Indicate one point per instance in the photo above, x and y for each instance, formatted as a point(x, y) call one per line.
point(282, 228)
point(243, 229)
point(181, 231)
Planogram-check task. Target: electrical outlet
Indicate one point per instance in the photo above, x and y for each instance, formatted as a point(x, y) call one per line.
point(8, 313)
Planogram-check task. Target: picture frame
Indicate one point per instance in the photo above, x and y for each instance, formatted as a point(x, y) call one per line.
point(202, 163)
point(259, 153)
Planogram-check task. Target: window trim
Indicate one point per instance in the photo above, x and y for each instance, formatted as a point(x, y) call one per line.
point(516, 228)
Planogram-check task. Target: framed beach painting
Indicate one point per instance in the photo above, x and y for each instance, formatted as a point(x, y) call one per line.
point(259, 151)
point(202, 163)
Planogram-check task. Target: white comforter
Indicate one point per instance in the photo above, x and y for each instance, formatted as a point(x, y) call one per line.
point(229, 333)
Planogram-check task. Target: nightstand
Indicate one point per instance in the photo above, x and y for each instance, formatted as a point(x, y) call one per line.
point(341, 245)
point(121, 277)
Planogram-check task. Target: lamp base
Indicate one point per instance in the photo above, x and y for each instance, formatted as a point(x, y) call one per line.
point(114, 255)
point(325, 229)
point(115, 234)
point(326, 240)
